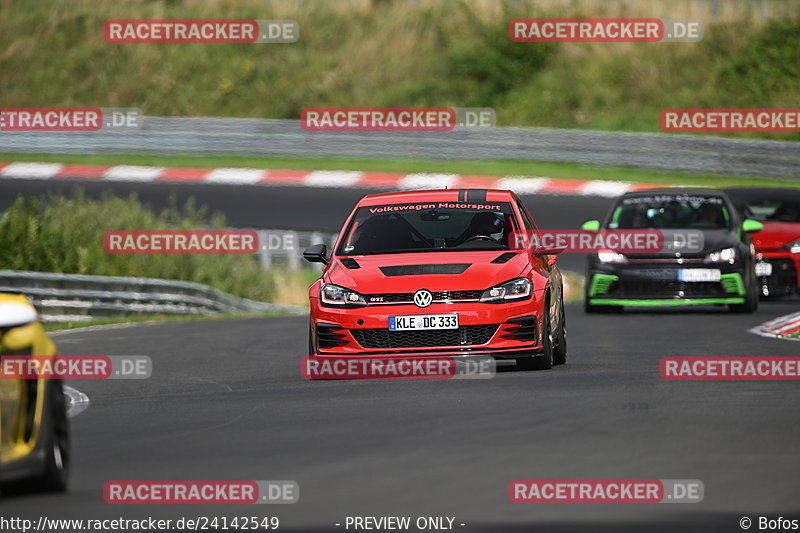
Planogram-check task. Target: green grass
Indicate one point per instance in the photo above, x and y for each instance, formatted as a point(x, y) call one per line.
point(422, 53)
point(61, 326)
point(576, 284)
point(503, 167)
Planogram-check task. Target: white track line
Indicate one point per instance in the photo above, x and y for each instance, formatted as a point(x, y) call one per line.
point(332, 178)
point(428, 181)
point(133, 173)
point(235, 176)
point(521, 184)
point(103, 327)
point(31, 170)
point(609, 189)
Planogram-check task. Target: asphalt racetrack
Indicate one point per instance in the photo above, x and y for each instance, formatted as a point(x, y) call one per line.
point(226, 401)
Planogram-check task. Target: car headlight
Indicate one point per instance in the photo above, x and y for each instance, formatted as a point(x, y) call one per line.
point(511, 290)
point(794, 247)
point(726, 255)
point(610, 256)
point(336, 295)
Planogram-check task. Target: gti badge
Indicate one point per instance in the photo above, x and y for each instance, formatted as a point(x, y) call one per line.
point(423, 298)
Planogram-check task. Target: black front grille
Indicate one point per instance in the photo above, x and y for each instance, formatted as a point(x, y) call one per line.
point(666, 289)
point(402, 297)
point(783, 280)
point(330, 336)
point(420, 270)
point(520, 329)
point(463, 336)
point(457, 295)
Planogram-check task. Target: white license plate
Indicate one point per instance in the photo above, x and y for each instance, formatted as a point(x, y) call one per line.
point(423, 322)
point(763, 269)
point(699, 274)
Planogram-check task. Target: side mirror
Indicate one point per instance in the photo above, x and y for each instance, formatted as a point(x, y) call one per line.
point(547, 250)
point(316, 253)
point(553, 250)
point(591, 225)
point(752, 226)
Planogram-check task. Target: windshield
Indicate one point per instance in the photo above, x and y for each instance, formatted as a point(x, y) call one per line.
point(671, 212)
point(429, 227)
point(769, 209)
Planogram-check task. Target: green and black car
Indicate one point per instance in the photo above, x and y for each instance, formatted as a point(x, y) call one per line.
point(720, 270)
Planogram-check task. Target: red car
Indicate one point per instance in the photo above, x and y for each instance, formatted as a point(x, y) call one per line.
point(438, 272)
point(778, 243)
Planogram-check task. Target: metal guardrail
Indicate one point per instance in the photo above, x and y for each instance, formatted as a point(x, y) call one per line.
point(176, 135)
point(77, 297)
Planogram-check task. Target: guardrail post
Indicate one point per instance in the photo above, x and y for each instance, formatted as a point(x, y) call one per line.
point(264, 254)
point(292, 240)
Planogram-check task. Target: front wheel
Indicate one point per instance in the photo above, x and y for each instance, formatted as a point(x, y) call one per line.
point(544, 361)
point(560, 351)
point(56, 466)
point(750, 304)
point(54, 438)
point(311, 350)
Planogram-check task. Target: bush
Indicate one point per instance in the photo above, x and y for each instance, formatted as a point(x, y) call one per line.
point(66, 235)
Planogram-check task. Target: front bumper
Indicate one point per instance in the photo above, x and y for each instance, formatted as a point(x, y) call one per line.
point(785, 277)
point(505, 330)
point(651, 285)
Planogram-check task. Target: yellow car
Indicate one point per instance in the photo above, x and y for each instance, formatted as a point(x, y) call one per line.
point(34, 433)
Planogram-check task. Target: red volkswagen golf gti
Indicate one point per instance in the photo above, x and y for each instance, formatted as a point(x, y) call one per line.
point(440, 272)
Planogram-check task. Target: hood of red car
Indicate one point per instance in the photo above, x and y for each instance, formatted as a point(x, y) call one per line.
point(776, 235)
point(435, 271)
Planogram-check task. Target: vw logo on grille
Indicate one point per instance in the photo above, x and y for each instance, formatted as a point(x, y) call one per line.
point(423, 298)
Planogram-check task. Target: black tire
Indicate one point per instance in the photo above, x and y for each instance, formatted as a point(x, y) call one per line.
point(55, 477)
point(750, 304)
point(560, 351)
point(312, 347)
point(311, 350)
point(545, 360)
